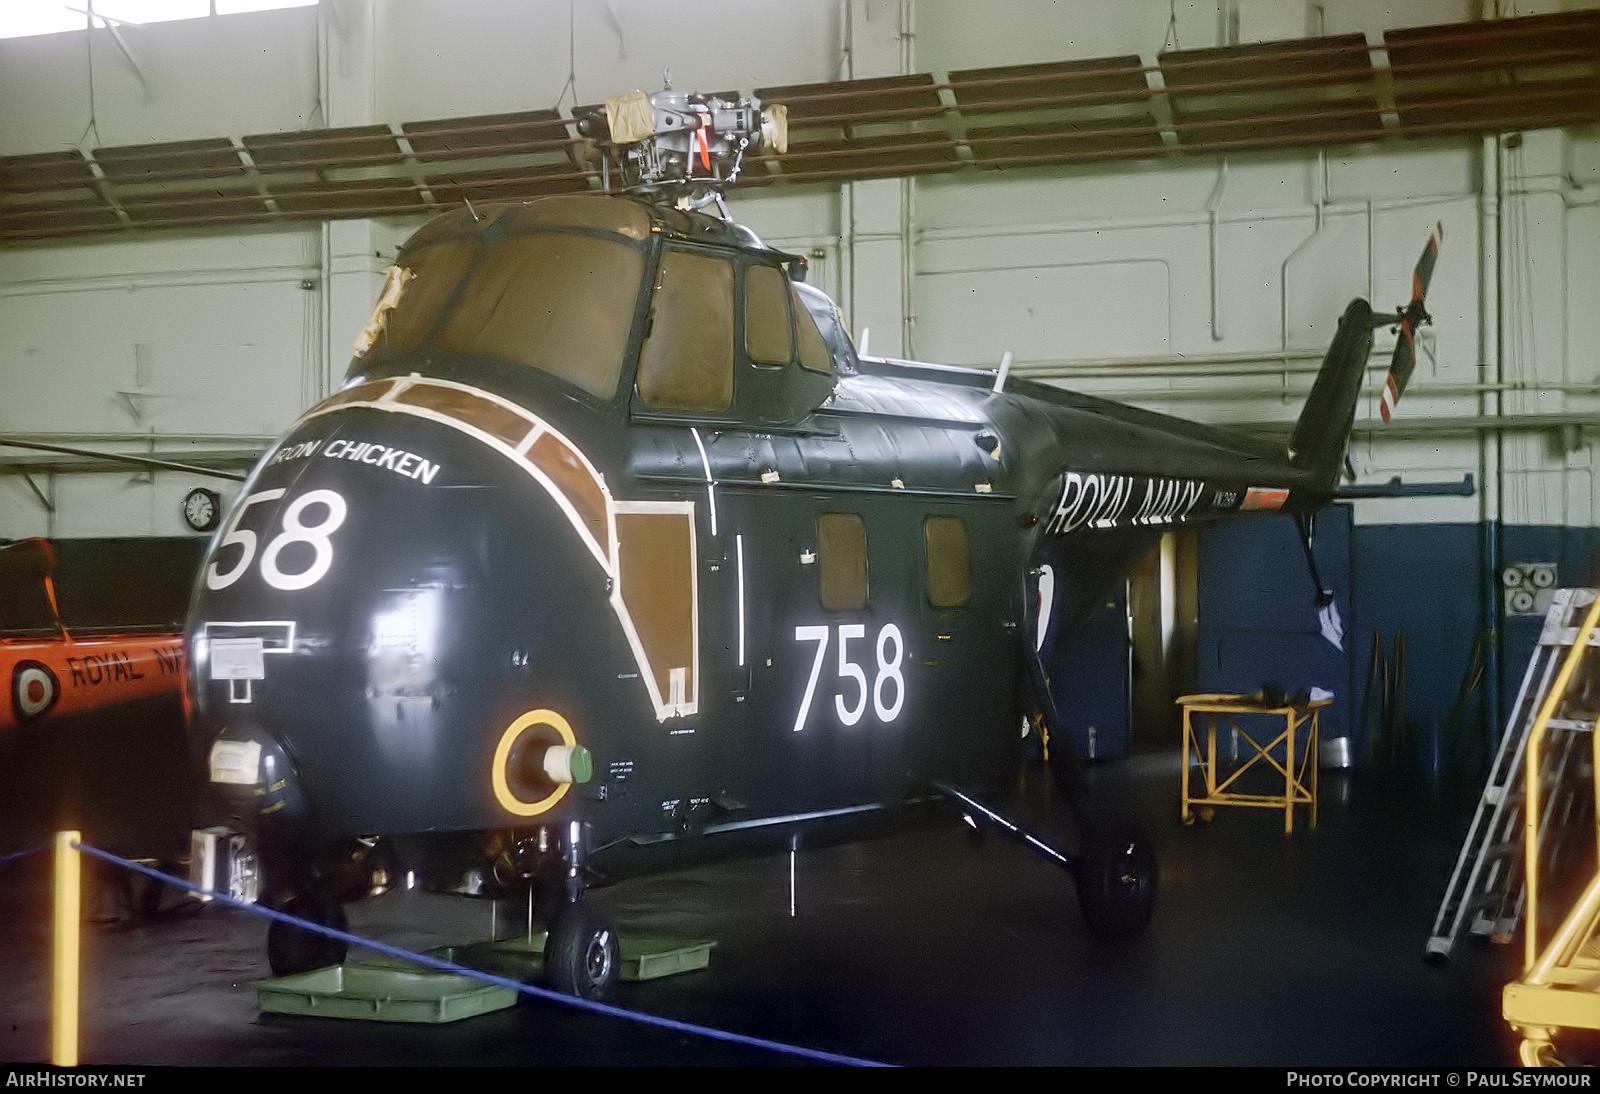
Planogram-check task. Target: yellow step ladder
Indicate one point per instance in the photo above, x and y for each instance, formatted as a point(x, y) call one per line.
point(1560, 984)
point(1486, 893)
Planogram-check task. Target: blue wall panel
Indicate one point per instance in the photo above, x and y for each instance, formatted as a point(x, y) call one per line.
point(1258, 612)
point(1422, 580)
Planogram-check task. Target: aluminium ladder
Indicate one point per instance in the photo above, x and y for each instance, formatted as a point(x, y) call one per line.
point(1486, 891)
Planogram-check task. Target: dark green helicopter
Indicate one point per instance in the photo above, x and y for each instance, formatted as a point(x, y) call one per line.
point(612, 539)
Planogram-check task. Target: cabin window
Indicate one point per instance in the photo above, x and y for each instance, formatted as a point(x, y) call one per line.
point(687, 359)
point(842, 561)
point(435, 272)
point(559, 302)
point(949, 564)
point(767, 337)
point(813, 350)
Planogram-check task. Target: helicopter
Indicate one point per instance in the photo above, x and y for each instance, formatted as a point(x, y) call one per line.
point(613, 539)
point(50, 672)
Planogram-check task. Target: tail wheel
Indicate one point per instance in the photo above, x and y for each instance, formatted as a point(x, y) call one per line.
point(292, 949)
point(580, 954)
point(1117, 883)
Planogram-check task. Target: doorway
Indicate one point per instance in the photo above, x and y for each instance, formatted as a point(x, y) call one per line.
point(1163, 624)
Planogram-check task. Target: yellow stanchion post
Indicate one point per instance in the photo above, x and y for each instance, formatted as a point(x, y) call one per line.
point(64, 994)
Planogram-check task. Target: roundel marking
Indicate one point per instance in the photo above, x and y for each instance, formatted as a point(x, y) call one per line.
point(502, 756)
point(34, 690)
point(1046, 605)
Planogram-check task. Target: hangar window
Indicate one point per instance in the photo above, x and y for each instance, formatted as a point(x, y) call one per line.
point(813, 350)
point(24, 17)
point(687, 359)
point(949, 563)
point(767, 337)
point(559, 302)
point(239, 7)
point(842, 561)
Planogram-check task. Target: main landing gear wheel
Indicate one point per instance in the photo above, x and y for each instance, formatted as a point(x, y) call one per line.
point(580, 952)
point(292, 949)
point(1117, 884)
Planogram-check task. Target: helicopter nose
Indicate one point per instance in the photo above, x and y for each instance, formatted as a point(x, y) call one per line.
point(392, 632)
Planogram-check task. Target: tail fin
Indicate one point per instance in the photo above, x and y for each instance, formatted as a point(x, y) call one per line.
point(26, 560)
point(1323, 431)
point(27, 594)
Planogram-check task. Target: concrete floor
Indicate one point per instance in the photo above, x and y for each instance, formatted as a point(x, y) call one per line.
point(915, 948)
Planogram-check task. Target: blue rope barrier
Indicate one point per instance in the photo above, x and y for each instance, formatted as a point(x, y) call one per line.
point(488, 978)
point(23, 854)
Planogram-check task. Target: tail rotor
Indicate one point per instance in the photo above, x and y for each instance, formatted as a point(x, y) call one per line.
point(1408, 319)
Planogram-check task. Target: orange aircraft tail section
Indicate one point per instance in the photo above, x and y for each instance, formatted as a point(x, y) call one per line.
point(51, 674)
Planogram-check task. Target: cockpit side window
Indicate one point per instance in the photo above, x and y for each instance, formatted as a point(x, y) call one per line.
point(767, 337)
point(560, 302)
point(830, 321)
point(814, 353)
point(686, 362)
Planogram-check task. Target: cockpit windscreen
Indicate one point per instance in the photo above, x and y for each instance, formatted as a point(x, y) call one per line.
point(559, 302)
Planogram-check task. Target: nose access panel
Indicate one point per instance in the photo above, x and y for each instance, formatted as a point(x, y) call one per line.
point(399, 582)
point(364, 606)
point(646, 549)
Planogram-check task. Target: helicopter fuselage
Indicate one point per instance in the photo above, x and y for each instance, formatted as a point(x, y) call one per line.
point(610, 525)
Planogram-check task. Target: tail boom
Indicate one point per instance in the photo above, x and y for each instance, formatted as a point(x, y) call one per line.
point(1322, 432)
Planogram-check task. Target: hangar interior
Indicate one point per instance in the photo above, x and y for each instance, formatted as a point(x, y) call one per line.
point(197, 213)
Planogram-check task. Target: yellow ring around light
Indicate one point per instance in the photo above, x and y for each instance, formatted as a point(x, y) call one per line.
point(502, 754)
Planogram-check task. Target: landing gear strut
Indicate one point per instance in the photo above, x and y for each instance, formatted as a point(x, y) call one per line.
point(1115, 875)
point(1116, 872)
point(580, 951)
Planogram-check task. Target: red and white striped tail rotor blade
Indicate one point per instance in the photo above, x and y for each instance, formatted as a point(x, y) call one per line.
point(1400, 368)
point(1422, 273)
point(1404, 361)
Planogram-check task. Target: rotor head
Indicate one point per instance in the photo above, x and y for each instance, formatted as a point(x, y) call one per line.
point(681, 147)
